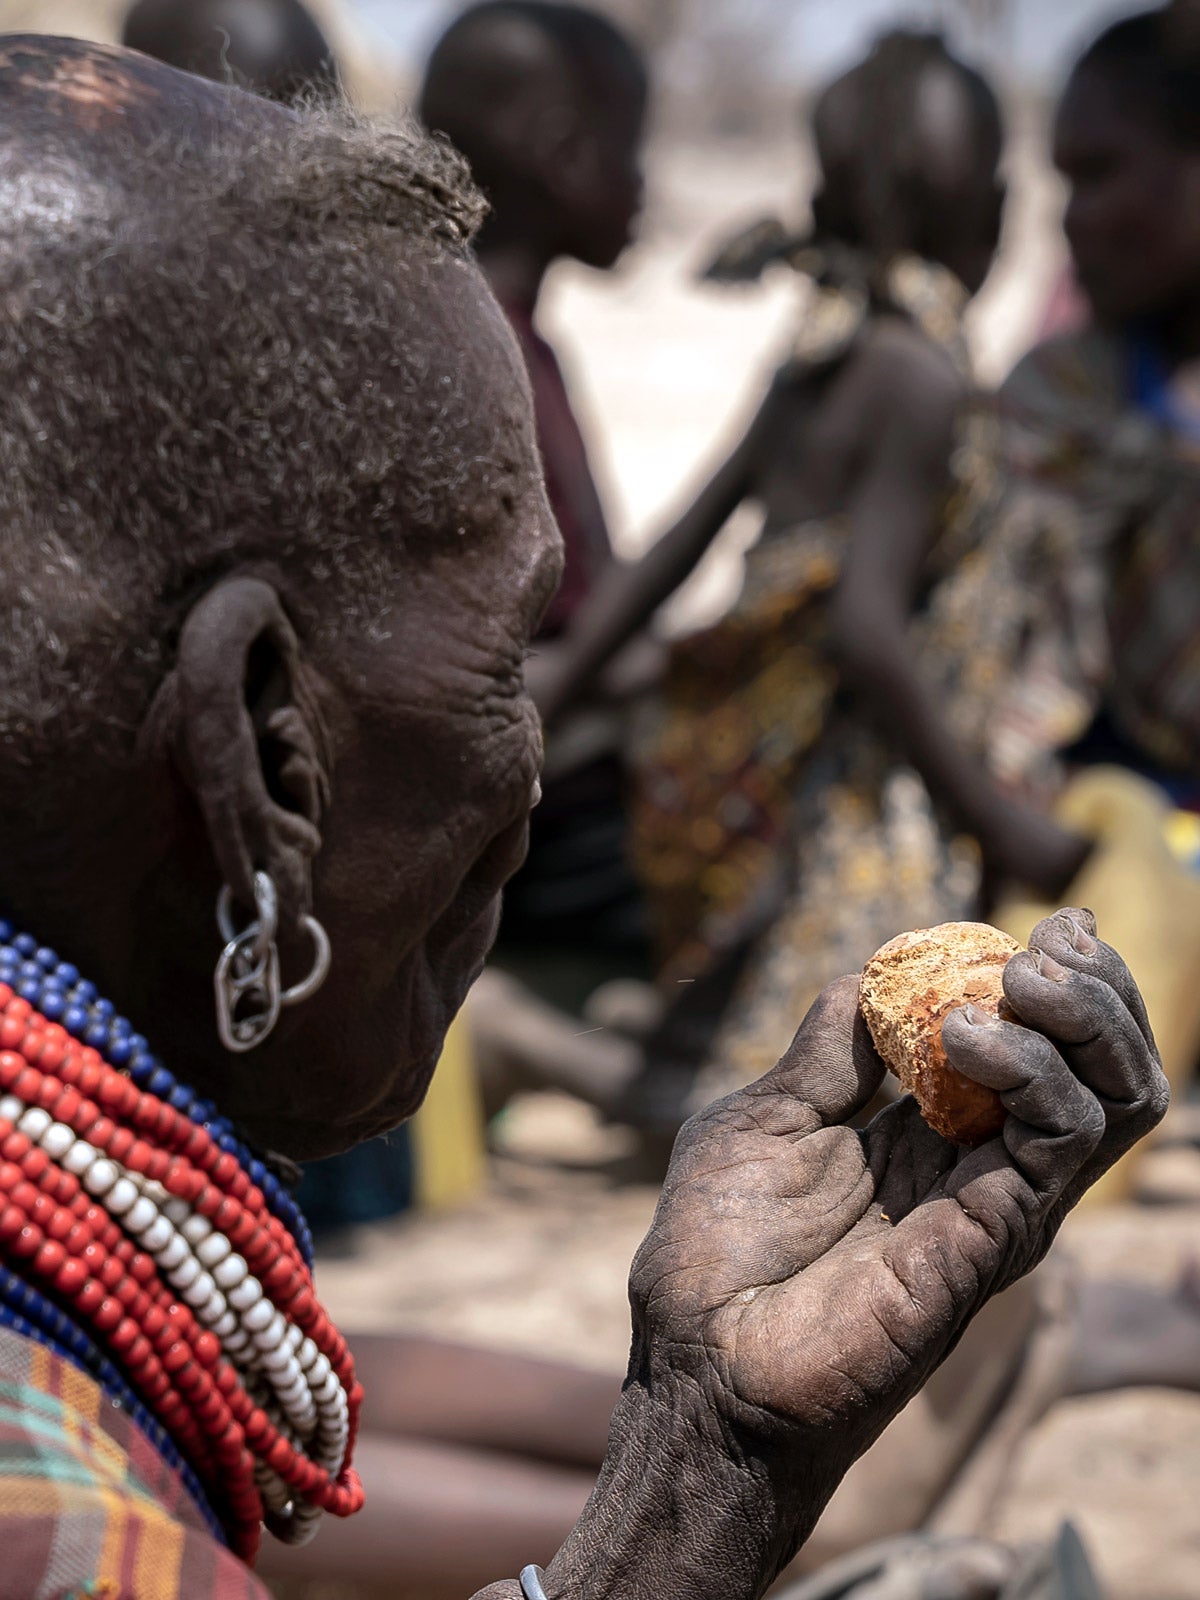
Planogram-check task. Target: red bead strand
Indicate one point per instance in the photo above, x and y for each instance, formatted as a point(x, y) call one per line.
point(48, 1219)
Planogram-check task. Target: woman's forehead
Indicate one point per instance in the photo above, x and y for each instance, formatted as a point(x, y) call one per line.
point(1095, 110)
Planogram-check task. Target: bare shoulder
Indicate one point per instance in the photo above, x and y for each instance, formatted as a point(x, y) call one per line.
point(894, 399)
point(902, 390)
point(899, 372)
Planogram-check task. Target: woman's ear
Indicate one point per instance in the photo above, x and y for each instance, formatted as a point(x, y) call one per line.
point(250, 742)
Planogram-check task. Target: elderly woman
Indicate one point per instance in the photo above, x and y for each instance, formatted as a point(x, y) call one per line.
point(275, 543)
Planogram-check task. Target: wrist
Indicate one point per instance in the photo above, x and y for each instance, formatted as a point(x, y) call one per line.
point(687, 1506)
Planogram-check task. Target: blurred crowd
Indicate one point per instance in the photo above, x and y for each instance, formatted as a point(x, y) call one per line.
point(960, 681)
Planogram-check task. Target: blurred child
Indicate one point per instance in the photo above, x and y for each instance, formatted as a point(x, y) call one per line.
point(1104, 423)
point(813, 762)
point(271, 46)
point(548, 102)
point(1102, 448)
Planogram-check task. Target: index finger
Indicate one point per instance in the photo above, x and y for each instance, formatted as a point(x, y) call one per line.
point(1070, 937)
point(831, 1066)
point(1098, 1035)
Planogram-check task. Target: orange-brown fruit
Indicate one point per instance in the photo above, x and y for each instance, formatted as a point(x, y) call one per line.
point(906, 990)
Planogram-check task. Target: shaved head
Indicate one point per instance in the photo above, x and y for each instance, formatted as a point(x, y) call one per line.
point(275, 542)
point(219, 344)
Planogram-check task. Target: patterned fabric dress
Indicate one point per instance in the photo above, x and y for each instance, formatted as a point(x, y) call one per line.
point(1102, 442)
point(88, 1508)
point(773, 814)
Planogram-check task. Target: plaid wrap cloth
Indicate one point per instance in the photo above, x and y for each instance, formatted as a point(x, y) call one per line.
point(88, 1508)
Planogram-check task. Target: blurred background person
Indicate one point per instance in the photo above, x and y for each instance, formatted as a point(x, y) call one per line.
point(779, 824)
point(1100, 451)
point(1107, 420)
point(274, 47)
point(548, 102)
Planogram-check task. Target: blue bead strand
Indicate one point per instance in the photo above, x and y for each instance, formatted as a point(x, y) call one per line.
point(33, 1316)
point(56, 989)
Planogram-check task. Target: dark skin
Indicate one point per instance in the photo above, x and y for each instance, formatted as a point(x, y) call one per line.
point(271, 46)
point(382, 776)
point(1133, 214)
point(479, 1461)
point(873, 443)
point(780, 1318)
point(801, 1279)
point(335, 765)
point(564, 160)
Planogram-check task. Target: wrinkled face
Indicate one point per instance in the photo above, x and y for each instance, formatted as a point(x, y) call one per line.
point(394, 723)
point(1133, 215)
point(436, 754)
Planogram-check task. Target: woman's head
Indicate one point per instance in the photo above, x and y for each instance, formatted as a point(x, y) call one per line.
point(909, 145)
point(1127, 140)
point(275, 540)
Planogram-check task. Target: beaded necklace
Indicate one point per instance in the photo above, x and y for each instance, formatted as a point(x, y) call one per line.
point(56, 989)
point(143, 1242)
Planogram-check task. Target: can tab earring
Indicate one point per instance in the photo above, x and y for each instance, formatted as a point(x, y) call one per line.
point(249, 991)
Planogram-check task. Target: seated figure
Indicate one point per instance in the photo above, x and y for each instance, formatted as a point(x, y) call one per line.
point(548, 103)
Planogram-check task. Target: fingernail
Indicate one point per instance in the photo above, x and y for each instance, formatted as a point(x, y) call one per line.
point(1049, 968)
point(978, 1018)
point(1081, 939)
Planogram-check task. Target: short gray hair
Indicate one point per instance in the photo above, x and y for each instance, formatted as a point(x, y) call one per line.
point(182, 356)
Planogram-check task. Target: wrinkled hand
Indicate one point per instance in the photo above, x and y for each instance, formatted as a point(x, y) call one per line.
point(802, 1279)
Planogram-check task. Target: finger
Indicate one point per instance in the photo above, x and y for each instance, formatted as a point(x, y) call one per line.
point(1070, 937)
point(1116, 1055)
point(830, 1067)
point(1099, 1038)
point(1054, 1124)
point(906, 1157)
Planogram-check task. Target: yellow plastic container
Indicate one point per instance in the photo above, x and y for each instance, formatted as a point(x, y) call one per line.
point(449, 1150)
point(1145, 893)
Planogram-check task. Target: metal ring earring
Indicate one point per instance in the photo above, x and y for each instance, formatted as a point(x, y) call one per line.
point(246, 982)
point(319, 971)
